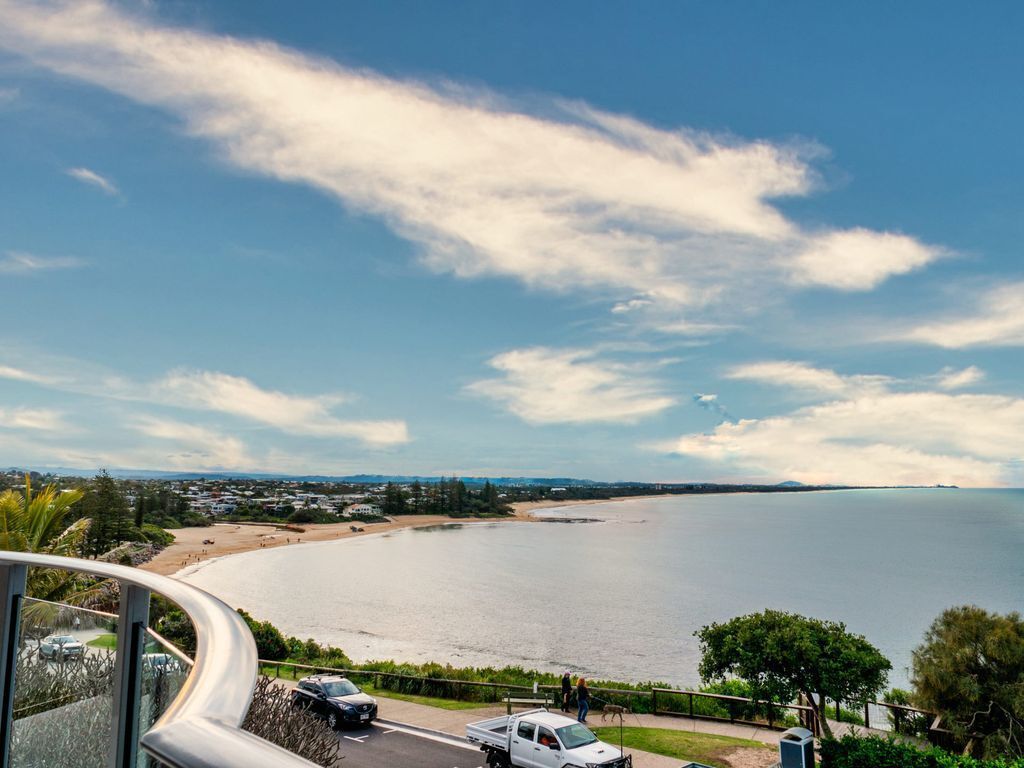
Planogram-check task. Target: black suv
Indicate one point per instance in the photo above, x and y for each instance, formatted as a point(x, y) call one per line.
point(336, 699)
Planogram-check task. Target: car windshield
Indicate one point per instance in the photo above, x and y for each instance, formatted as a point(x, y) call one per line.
point(62, 639)
point(340, 688)
point(575, 735)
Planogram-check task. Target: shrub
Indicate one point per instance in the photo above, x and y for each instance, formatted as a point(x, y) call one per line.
point(875, 752)
point(272, 717)
point(154, 534)
point(270, 643)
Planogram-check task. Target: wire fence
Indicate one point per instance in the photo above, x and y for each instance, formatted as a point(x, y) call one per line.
point(699, 705)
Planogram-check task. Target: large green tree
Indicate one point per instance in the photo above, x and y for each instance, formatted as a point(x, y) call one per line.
point(106, 506)
point(970, 668)
point(783, 654)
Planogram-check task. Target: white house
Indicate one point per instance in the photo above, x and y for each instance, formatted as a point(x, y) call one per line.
point(361, 509)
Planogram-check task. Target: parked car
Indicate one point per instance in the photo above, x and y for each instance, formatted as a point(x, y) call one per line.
point(336, 699)
point(61, 648)
point(541, 739)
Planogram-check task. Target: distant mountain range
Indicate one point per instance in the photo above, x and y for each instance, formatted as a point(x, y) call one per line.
point(151, 474)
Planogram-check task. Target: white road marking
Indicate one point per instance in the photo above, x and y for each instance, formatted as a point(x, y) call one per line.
point(391, 730)
point(360, 739)
point(434, 737)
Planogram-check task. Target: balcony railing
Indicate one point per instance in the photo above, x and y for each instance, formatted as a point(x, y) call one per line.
point(199, 728)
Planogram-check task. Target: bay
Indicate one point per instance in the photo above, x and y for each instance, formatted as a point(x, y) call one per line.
point(620, 598)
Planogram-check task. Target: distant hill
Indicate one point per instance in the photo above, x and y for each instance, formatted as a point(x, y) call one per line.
point(153, 474)
point(790, 484)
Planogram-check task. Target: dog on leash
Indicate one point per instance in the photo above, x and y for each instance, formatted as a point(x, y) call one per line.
point(614, 710)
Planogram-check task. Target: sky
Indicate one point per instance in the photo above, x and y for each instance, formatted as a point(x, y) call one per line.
point(657, 241)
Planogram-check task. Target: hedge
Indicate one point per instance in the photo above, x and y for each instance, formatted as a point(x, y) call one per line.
point(876, 752)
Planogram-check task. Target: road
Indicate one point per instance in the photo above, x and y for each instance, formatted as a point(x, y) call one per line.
point(398, 746)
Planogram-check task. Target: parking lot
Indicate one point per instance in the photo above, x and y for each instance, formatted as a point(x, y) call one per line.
point(398, 746)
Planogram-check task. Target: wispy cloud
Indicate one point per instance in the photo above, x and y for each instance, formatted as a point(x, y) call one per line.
point(226, 394)
point(807, 378)
point(570, 386)
point(20, 374)
point(950, 378)
point(196, 446)
point(998, 321)
point(8, 96)
point(868, 434)
point(41, 419)
point(87, 176)
point(209, 390)
point(576, 199)
point(22, 263)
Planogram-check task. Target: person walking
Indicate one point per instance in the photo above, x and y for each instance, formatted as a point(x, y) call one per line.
point(566, 690)
point(583, 697)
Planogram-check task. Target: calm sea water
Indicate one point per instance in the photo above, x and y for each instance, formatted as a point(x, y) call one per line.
point(621, 598)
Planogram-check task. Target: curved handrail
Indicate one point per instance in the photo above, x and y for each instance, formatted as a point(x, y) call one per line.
point(201, 727)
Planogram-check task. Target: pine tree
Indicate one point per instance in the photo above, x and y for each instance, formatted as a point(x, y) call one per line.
point(106, 506)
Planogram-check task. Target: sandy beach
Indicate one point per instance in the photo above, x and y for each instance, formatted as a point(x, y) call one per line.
point(232, 538)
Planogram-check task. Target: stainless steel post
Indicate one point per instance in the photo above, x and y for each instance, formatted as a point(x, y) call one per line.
point(12, 590)
point(133, 617)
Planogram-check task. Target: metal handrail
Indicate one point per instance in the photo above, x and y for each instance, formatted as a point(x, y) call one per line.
point(201, 727)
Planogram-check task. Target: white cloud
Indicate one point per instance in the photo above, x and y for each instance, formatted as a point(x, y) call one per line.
point(801, 376)
point(569, 386)
point(950, 378)
point(226, 394)
point(195, 446)
point(222, 392)
point(87, 176)
point(42, 419)
point(871, 435)
point(8, 96)
point(997, 322)
point(578, 199)
point(859, 259)
point(628, 306)
point(20, 374)
point(22, 263)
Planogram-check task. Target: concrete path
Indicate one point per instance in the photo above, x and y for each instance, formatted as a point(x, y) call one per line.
point(453, 723)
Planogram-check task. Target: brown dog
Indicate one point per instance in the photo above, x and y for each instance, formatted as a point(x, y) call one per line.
point(613, 710)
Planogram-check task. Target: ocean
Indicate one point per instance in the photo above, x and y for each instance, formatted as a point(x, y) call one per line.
point(620, 597)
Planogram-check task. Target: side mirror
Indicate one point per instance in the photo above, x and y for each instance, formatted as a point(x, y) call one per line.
point(321, 696)
point(553, 746)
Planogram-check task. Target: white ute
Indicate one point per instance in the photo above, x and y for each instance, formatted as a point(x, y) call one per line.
point(541, 739)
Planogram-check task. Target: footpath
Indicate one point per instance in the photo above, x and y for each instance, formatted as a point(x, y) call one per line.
point(453, 722)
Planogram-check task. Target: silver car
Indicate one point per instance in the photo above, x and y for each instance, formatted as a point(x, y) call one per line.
point(61, 648)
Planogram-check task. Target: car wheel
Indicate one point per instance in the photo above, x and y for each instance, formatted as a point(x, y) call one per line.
point(332, 720)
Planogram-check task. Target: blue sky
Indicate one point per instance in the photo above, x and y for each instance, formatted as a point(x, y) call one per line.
point(653, 241)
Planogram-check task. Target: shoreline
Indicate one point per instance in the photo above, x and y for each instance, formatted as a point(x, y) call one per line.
point(235, 538)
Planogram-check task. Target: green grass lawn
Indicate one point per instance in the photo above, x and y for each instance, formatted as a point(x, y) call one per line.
point(430, 701)
point(104, 641)
point(682, 745)
point(290, 673)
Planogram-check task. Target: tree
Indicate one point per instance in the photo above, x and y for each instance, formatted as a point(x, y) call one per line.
point(108, 509)
point(970, 668)
point(416, 497)
point(394, 500)
point(37, 523)
point(783, 654)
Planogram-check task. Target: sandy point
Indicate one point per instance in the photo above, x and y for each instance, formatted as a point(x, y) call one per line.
point(189, 545)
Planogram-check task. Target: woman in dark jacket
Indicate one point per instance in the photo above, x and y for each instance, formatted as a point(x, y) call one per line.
point(566, 690)
point(583, 696)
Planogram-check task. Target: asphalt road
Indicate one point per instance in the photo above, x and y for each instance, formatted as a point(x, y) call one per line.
point(385, 745)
